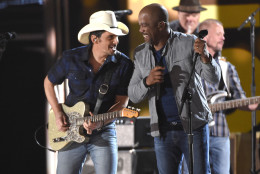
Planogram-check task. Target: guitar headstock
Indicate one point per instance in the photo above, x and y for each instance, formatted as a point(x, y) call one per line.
point(130, 112)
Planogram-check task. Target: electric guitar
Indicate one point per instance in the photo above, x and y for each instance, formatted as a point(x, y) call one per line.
point(77, 114)
point(230, 104)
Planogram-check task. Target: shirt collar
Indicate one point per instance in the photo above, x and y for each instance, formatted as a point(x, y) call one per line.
point(85, 55)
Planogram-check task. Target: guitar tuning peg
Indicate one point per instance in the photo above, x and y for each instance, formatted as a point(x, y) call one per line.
point(138, 110)
point(129, 107)
point(133, 108)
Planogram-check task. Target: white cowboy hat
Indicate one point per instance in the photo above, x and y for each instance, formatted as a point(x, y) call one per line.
point(102, 20)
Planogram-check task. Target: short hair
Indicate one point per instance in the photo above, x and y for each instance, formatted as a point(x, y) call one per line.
point(206, 23)
point(158, 12)
point(95, 33)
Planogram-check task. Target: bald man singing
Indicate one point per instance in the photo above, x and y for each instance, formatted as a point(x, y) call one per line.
point(163, 65)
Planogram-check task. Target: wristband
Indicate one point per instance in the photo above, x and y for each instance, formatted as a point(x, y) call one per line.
point(100, 128)
point(144, 81)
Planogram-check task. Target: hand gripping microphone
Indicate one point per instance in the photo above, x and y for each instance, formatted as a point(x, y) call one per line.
point(202, 34)
point(158, 86)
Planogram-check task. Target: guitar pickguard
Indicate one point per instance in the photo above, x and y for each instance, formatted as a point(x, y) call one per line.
point(75, 132)
point(213, 98)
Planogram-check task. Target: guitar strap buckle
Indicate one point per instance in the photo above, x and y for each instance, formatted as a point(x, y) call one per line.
point(103, 89)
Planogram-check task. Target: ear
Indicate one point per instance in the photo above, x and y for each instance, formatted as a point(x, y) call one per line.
point(94, 39)
point(161, 25)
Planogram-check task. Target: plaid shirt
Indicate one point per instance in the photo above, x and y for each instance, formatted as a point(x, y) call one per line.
point(220, 128)
point(84, 83)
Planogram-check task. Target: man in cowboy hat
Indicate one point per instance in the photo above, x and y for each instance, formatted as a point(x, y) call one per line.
point(188, 17)
point(86, 69)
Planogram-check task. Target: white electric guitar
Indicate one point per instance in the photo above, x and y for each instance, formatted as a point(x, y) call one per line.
point(230, 104)
point(77, 114)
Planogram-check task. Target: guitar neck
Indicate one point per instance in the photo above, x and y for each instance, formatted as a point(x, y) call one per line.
point(234, 104)
point(99, 117)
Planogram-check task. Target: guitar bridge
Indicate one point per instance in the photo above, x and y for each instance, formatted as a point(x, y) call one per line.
point(59, 139)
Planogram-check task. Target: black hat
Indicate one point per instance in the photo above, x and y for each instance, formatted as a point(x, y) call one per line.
point(190, 6)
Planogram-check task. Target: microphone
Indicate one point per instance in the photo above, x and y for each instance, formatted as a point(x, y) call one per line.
point(202, 34)
point(123, 12)
point(158, 85)
point(8, 36)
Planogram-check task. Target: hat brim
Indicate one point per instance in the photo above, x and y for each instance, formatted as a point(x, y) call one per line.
point(83, 35)
point(189, 10)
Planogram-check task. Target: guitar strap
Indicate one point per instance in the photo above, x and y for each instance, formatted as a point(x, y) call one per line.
point(104, 87)
point(224, 72)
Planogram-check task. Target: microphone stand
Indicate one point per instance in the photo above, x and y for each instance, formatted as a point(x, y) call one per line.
point(251, 19)
point(188, 96)
point(2, 48)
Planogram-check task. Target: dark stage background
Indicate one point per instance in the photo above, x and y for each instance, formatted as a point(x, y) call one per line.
point(43, 31)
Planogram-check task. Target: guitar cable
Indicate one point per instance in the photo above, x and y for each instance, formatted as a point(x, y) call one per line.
point(35, 137)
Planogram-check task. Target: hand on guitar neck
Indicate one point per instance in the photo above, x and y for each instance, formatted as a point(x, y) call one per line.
point(90, 126)
point(251, 107)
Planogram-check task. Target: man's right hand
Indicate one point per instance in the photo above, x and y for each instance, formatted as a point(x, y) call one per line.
point(61, 121)
point(155, 76)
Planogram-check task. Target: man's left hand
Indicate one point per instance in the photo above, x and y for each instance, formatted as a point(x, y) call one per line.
point(90, 126)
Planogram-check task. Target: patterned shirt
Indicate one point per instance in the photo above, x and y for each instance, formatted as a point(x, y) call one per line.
point(84, 83)
point(220, 127)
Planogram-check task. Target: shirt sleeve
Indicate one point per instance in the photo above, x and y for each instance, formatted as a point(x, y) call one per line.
point(58, 72)
point(234, 83)
point(127, 71)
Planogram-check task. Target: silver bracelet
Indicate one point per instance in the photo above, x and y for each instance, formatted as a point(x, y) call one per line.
point(100, 128)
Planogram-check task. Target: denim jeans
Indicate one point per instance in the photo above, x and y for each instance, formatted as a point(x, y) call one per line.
point(102, 148)
point(219, 155)
point(170, 149)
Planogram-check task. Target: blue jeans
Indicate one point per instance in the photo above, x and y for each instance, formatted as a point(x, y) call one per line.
point(170, 149)
point(219, 155)
point(102, 148)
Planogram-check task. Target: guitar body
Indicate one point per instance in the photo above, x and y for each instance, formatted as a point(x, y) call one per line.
point(215, 96)
point(62, 140)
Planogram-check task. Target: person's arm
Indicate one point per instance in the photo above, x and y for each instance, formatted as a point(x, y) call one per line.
point(139, 86)
point(120, 103)
point(235, 80)
point(60, 117)
point(236, 88)
point(206, 66)
point(251, 107)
